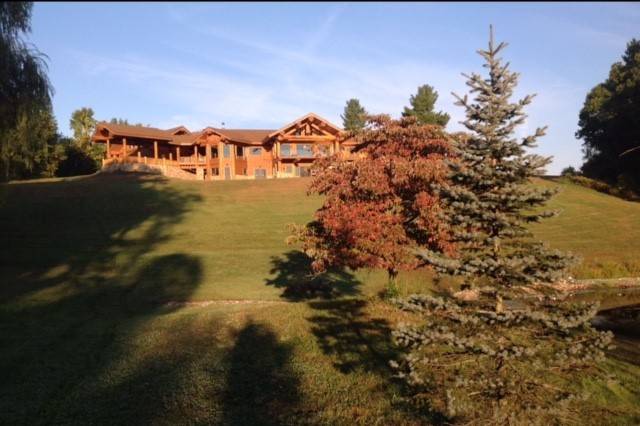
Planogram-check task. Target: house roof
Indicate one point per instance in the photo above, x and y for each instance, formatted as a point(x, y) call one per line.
point(248, 136)
point(177, 129)
point(135, 131)
point(311, 115)
point(244, 136)
point(188, 139)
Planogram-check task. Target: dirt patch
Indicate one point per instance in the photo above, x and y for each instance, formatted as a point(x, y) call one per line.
point(578, 285)
point(222, 302)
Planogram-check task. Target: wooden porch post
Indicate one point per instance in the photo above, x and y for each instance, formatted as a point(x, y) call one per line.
point(207, 151)
point(108, 148)
point(124, 149)
point(178, 154)
point(155, 151)
point(233, 161)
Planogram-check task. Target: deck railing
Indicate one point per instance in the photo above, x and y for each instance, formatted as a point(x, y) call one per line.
point(187, 162)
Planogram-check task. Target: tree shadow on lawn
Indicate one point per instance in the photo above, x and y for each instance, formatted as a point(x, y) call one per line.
point(293, 274)
point(355, 337)
point(341, 325)
point(78, 286)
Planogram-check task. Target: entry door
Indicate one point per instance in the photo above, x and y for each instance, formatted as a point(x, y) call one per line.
point(227, 173)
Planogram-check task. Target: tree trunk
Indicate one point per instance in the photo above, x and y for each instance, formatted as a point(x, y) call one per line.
point(392, 285)
point(392, 275)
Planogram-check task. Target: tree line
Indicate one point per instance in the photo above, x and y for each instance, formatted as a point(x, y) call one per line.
point(608, 125)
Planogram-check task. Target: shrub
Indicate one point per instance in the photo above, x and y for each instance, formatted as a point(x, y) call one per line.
point(569, 171)
point(620, 190)
point(79, 161)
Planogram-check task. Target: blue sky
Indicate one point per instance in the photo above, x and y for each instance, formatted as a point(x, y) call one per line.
point(261, 65)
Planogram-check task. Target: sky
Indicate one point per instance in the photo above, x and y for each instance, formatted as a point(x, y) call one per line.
point(262, 65)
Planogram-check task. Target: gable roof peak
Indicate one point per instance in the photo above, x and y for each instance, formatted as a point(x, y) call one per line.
point(310, 115)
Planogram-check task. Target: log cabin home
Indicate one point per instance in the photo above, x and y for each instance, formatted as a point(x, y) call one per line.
point(223, 154)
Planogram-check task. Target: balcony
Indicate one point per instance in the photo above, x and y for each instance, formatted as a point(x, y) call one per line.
point(315, 152)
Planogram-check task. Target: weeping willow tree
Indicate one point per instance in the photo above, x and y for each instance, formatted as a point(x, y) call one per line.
point(25, 90)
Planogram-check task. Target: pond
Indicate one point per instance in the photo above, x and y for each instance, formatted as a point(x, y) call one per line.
point(619, 313)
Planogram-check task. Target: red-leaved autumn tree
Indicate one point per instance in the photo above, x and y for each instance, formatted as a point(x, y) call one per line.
point(379, 208)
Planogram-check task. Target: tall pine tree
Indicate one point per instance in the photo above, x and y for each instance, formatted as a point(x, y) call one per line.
point(490, 199)
point(422, 105)
point(354, 117)
point(475, 361)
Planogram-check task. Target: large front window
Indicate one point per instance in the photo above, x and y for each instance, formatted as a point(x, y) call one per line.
point(226, 151)
point(305, 150)
point(285, 150)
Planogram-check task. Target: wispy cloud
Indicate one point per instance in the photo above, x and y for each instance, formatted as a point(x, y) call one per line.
point(325, 28)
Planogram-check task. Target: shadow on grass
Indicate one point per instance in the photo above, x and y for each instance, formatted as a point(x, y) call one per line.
point(261, 387)
point(355, 337)
point(293, 274)
point(77, 284)
point(340, 324)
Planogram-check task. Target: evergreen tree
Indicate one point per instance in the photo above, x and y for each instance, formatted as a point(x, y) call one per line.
point(471, 359)
point(354, 117)
point(422, 105)
point(490, 200)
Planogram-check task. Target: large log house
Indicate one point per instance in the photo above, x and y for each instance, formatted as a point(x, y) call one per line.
point(214, 153)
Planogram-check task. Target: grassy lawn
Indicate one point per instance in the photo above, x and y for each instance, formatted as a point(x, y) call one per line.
point(603, 230)
point(87, 335)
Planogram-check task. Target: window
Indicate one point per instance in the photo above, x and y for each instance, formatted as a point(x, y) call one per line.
point(239, 151)
point(303, 172)
point(289, 168)
point(305, 150)
point(256, 151)
point(285, 150)
point(226, 151)
point(216, 171)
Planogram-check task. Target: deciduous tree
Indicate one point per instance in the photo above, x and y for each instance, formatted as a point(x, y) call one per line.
point(24, 86)
point(83, 124)
point(379, 208)
point(609, 124)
